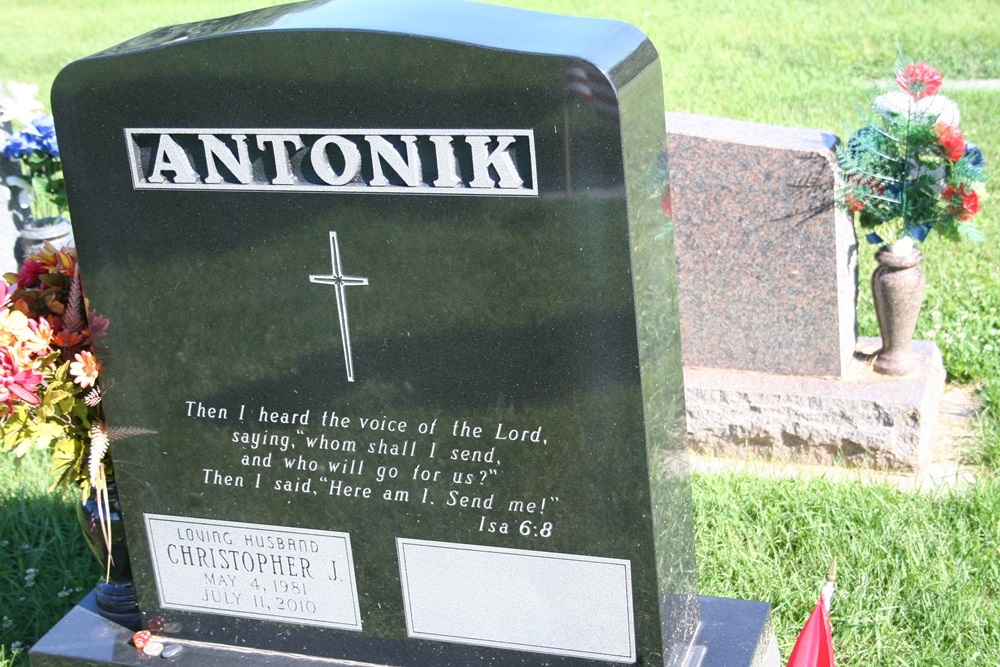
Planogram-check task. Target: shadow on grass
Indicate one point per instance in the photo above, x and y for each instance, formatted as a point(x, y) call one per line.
point(45, 566)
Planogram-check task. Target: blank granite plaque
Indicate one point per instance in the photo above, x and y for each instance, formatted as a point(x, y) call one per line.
point(389, 273)
point(527, 600)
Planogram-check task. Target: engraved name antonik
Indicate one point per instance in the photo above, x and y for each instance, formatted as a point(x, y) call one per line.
point(400, 161)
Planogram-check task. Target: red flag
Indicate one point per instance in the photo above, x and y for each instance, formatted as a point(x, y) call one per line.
point(814, 647)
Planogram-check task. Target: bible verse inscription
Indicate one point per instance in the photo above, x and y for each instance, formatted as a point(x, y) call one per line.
point(378, 458)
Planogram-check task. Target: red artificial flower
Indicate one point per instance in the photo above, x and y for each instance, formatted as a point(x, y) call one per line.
point(31, 271)
point(951, 140)
point(920, 80)
point(962, 203)
point(869, 183)
point(16, 383)
point(854, 205)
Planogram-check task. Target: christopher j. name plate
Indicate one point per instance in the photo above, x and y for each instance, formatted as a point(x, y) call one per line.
point(277, 573)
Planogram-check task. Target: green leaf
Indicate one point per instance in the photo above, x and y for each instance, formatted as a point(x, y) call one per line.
point(970, 232)
point(55, 394)
point(62, 373)
point(68, 455)
point(48, 359)
point(81, 412)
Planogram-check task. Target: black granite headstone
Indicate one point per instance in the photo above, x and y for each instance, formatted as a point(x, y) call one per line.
point(392, 285)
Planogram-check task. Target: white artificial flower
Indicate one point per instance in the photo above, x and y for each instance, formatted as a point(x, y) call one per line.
point(937, 108)
point(21, 104)
point(27, 193)
point(894, 102)
point(941, 108)
point(902, 247)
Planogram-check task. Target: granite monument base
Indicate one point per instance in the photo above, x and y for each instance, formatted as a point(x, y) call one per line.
point(862, 419)
point(733, 633)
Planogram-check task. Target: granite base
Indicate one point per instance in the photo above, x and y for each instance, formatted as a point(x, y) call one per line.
point(862, 419)
point(733, 633)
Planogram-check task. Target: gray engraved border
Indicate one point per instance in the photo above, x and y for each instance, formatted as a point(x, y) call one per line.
point(355, 623)
point(140, 183)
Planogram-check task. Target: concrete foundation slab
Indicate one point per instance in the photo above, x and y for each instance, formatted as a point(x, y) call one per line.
point(862, 419)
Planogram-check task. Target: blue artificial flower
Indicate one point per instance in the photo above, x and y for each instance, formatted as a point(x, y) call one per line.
point(50, 145)
point(21, 144)
point(44, 125)
point(45, 128)
point(873, 238)
point(975, 156)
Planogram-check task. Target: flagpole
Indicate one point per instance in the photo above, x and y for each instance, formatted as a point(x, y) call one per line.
point(830, 585)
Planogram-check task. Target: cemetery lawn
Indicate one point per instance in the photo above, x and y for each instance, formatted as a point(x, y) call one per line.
point(45, 565)
point(918, 580)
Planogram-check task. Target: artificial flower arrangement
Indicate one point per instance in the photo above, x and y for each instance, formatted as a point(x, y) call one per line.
point(49, 375)
point(41, 187)
point(909, 170)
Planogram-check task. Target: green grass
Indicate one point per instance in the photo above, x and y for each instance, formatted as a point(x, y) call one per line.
point(45, 566)
point(918, 573)
point(40, 37)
